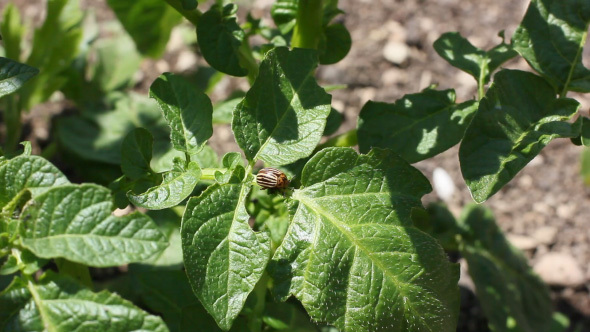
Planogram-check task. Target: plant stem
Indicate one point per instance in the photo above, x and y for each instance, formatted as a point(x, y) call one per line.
point(192, 15)
point(209, 173)
point(563, 92)
point(13, 124)
point(346, 139)
point(259, 291)
point(247, 60)
point(309, 24)
point(480, 85)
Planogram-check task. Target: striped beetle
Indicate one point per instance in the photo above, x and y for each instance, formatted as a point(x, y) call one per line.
point(272, 178)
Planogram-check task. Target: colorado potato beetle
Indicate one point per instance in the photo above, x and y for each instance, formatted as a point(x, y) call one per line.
point(272, 178)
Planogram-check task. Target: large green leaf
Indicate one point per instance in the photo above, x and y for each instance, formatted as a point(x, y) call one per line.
point(177, 185)
point(188, 112)
point(55, 45)
point(506, 286)
point(149, 22)
point(27, 172)
point(75, 222)
point(220, 38)
point(13, 75)
point(517, 118)
point(223, 256)
point(551, 38)
point(418, 126)
point(60, 304)
point(282, 117)
point(478, 63)
point(352, 255)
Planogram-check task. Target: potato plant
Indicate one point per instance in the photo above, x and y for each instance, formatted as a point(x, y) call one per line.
point(347, 246)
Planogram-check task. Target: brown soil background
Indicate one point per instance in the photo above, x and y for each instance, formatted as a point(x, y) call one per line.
point(548, 193)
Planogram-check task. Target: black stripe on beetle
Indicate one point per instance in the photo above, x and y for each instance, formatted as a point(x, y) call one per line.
point(272, 178)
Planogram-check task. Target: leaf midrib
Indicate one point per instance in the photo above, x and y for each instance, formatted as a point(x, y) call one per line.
point(306, 200)
point(279, 121)
point(517, 143)
point(87, 236)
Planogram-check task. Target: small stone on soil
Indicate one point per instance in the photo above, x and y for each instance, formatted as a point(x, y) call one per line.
point(559, 269)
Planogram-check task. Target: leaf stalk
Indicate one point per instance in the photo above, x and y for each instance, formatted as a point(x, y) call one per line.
point(308, 28)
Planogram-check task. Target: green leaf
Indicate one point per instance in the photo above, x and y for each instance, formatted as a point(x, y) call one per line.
point(560, 322)
point(551, 38)
point(283, 115)
point(189, 4)
point(287, 317)
point(27, 148)
point(196, 315)
point(75, 222)
point(13, 75)
point(333, 122)
point(517, 118)
point(352, 247)
point(334, 44)
point(168, 222)
point(506, 286)
point(188, 112)
point(30, 263)
point(117, 61)
point(460, 53)
point(166, 292)
point(98, 136)
point(416, 127)
point(442, 226)
point(12, 31)
point(175, 187)
point(136, 153)
point(234, 169)
point(220, 38)
point(77, 271)
point(49, 306)
point(500, 54)
point(232, 159)
point(149, 22)
point(55, 46)
point(27, 172)
point(206, 158)
point(223, 257)
point(104, 65)
point(222, 112)
point(284, 13)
